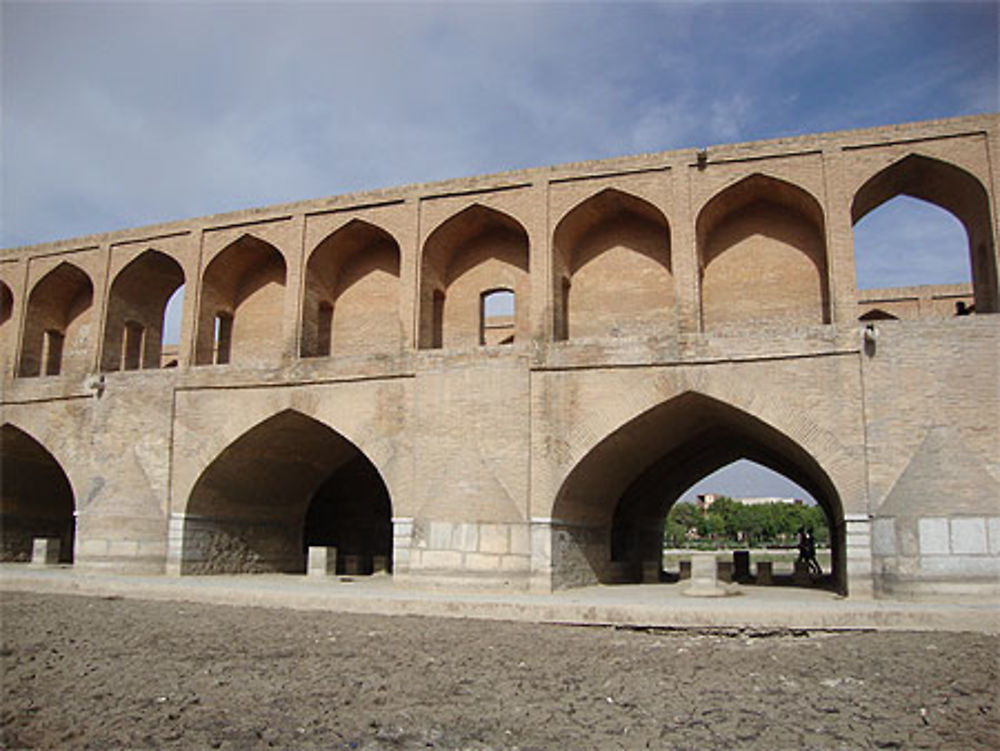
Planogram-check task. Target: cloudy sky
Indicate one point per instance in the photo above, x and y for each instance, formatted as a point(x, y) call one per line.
point(122, 114)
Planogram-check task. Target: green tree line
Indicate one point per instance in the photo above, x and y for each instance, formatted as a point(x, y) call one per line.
point(729, 522)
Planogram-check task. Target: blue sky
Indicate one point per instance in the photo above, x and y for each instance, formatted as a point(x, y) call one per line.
point(122, 114)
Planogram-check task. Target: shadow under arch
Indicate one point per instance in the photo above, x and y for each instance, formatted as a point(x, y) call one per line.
point(609, 513)
point(36, 498)
point(471, 252)
point(954, 190)
point(137, 304)
point(773, 232)
point(56, 322)
point(240, 310)
point(352, 292)
point(612, 233)
point(286, 483)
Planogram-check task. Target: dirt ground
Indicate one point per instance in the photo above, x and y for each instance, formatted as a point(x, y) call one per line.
point(81, 672)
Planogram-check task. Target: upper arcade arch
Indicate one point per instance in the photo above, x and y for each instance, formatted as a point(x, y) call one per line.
point(475, 251)
point(242, 304)
point(953, 189)
point(612, 235)
point(137, 301)
point(289, 481)
point(36, 498)
point(612, 504)
point(6, 313)
point(762, 255)
point(57, 323)
point(352, 293)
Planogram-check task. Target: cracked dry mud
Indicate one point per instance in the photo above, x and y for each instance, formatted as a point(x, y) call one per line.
point(80, 672)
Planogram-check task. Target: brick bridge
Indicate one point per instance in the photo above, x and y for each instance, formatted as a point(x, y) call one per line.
point(506, 381)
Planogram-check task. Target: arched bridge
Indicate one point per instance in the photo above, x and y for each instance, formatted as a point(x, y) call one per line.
point(507, 381)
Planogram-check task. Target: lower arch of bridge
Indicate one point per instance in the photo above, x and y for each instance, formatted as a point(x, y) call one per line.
point(287, 483)
point(36, 498)
point(609, 514)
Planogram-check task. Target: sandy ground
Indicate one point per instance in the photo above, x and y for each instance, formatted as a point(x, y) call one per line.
point(83, 672)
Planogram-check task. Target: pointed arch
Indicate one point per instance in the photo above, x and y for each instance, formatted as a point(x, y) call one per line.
point(612, 234)
point(615, 499)
point(954, 190)
point(473, 251)
point(36, 498)
point(241, 306)
point(57, 323)
point(137, 302)
point(288, 482)
point(6, 303)
point(762, 255)
point(352, 293)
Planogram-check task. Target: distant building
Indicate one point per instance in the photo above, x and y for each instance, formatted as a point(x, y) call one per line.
point(705, 501)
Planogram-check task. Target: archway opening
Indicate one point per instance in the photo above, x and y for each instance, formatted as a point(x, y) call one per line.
point(285, 484)
point(352, 293)
point(6, 303)
point(137, 311)
point(473, 253)
point(56, 326)
point(612, 235)
point(751, 516)
point(244, 285)
point(612, 507)
point(762, 256)
point(172, 315)
point(36, 499)
point(935, 218)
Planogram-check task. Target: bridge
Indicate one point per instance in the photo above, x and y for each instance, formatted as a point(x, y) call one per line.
point(506, 381)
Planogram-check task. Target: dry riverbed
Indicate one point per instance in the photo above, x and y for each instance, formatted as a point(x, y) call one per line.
point(84, 672)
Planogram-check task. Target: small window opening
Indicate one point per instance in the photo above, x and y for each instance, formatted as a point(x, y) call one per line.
point(437, 324)
point(324, 330)
point(133, 345)
point(223, 338)
point(496, 320)
point(52, 352)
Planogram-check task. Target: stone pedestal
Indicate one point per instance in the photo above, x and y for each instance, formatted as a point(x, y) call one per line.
point(322, 561)
point(704, 579)
point(765, 572)
point(45, 551)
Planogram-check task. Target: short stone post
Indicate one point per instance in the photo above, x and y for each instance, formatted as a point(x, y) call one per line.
point(741, 565)
point(650, 572)
point(45, 551)
point(765, 572)
point(725, 569)
point(322, 561)
point(704, 581)
point(354, 565)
